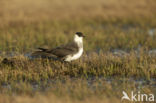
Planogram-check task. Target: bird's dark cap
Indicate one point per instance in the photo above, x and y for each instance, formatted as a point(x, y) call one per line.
point(80, 34)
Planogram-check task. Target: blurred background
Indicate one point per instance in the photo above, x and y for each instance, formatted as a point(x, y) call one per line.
point(40, 10)
point(122, 24)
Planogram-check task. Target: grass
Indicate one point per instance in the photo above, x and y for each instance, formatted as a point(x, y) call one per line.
point(99, 75)
point(79, 80)
point(96, 65)
point(99, 35)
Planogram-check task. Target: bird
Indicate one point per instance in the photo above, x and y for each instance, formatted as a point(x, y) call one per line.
point(69, 52)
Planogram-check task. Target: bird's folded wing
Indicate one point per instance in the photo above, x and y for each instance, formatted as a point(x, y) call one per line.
point(63, 51)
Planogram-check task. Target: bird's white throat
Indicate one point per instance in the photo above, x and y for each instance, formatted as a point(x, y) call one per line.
point(79, 41)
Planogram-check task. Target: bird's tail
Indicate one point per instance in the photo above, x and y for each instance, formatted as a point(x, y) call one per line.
point(42, 49)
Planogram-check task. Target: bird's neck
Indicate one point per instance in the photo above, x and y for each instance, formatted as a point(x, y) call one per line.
point(79, 41)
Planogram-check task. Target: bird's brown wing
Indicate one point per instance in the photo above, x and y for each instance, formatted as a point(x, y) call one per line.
point(60, 52)
point(64, 50)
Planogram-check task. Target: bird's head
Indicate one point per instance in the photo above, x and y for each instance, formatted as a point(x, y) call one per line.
point(80, 34)
point(78, 37)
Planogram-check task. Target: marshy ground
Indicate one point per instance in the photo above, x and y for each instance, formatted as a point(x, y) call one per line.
point(120, 50)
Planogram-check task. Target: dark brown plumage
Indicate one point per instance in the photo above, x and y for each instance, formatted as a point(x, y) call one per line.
point(58, 52)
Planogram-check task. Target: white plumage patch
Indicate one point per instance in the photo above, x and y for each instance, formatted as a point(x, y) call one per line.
point(79, 42)
point(75, 56)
